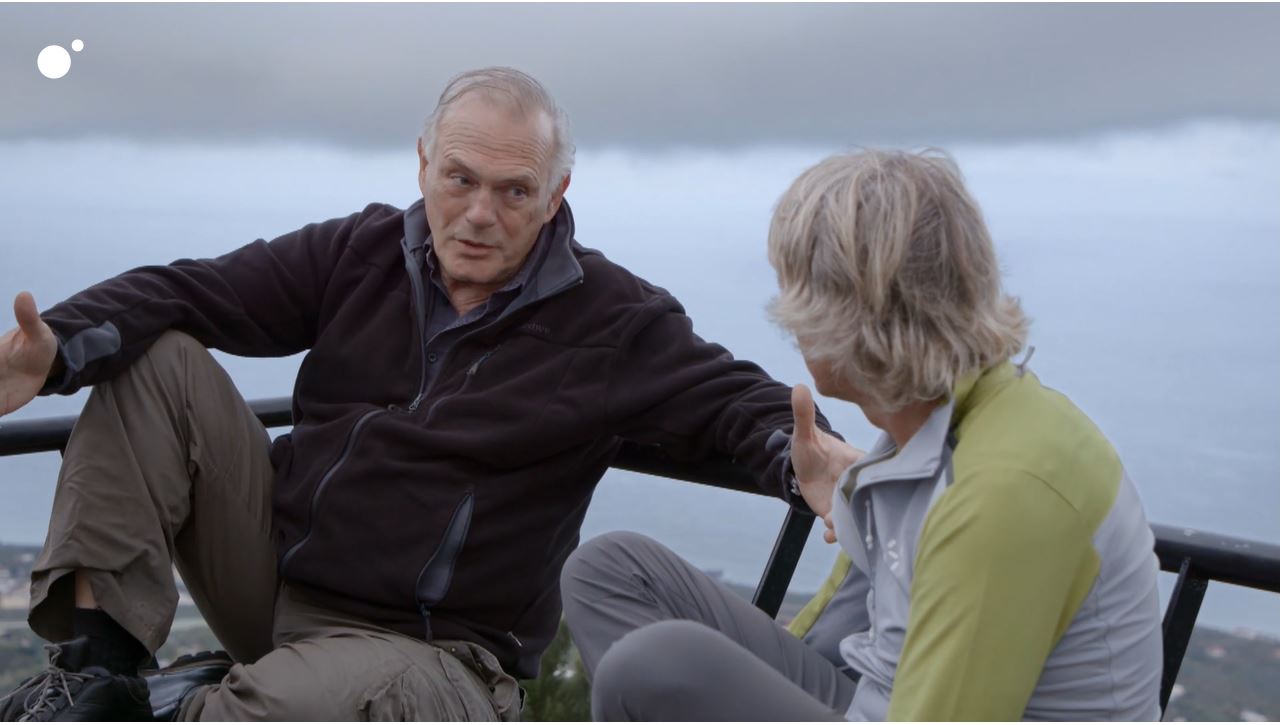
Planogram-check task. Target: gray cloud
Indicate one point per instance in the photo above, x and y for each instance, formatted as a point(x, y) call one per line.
point(641, 75)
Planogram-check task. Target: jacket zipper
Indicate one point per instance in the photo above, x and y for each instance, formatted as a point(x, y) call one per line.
point(420, 317)
point(434, 580)
point(416, 282)
point(329, 474)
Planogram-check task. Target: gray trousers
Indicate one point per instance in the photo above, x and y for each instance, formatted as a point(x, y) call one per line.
point(661, 640)
point(167, 466)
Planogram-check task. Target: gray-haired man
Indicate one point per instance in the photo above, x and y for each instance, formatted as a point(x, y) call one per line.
point(471, 372)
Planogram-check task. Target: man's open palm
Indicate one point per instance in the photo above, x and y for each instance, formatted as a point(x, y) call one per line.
point(26, 355)
point(818, 459)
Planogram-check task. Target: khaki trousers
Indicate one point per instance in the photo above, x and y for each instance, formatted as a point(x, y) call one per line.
point(167, 466)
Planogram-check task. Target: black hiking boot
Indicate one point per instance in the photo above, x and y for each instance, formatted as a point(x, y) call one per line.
point(171, 685)
point(70, 689)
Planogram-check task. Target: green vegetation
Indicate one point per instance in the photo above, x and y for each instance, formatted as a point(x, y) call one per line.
point(20, 657)
point(561, 692)
point(1226, 677)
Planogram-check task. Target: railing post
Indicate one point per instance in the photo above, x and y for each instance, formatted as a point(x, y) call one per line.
point(783, 562)
point(1177, 624)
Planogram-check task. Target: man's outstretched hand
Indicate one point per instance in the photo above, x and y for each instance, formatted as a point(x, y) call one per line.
point(818, 459)
point(27, 355)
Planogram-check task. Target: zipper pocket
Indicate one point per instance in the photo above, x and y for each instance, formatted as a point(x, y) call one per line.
point(471, 371)
point(467, 379)
point(320, 487)
point(479, 361)
point(434, 580)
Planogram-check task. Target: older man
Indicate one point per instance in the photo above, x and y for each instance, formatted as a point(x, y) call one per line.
point(471, 372)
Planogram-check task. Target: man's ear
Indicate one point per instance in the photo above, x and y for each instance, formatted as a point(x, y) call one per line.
point(554, 203)
point(422, 166)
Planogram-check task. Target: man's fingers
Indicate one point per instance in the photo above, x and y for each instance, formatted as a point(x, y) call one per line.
point(24, 309)
point(803, 414)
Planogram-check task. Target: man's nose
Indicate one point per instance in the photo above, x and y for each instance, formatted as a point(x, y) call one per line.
point(480, 212)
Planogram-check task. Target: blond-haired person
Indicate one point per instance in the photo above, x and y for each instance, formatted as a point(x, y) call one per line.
point(1002, 564)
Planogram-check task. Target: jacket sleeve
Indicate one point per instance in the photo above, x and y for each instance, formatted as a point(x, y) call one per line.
point(261, 300)
point(670, 387)
point(999, 573)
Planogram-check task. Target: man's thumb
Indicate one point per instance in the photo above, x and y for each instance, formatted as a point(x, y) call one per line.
point(24, 308)
point(803, 414)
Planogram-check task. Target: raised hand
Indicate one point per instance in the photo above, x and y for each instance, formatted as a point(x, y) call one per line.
point(818, 459)
point(27, 355)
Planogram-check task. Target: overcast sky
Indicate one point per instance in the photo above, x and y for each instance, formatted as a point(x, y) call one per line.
point(641, 76)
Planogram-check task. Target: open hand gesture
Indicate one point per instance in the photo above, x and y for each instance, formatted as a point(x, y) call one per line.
point(27, 354)
point(818, 459)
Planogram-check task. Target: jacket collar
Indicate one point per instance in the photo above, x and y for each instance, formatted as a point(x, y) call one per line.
point(556, 271)
point(976, 389)
point(921, 456)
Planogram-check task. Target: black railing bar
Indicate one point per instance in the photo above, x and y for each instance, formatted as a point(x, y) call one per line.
point(1222, 558)
point(1177, 624)
point(35, 436)
point(717, 473)
point(273, 412)
point(783, 561)
point(40, 435)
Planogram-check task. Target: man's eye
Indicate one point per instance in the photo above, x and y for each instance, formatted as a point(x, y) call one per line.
point(518, 192)
point(460, 180)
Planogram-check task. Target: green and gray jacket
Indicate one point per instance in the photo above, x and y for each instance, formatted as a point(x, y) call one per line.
point(1003, 568)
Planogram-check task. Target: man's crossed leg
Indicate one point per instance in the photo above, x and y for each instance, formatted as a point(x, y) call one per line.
point(168, 466)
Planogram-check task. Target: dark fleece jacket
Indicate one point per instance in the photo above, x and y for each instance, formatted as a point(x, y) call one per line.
point(445, 510)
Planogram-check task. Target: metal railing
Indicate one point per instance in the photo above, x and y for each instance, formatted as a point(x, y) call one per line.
point(1196, 557)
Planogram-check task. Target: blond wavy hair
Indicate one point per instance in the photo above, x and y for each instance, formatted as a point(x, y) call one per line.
point(887, 273)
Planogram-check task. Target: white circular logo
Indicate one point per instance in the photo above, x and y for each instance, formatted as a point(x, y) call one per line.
point(54, 61)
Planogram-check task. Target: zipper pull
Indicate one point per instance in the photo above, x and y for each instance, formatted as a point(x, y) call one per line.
point(427, 621)
point(414, 405)
point(477, 365)
point(868, 525)
point(515, 639)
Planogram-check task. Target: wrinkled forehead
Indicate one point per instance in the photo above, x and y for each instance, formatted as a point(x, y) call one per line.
point(492, 128)
point(497, 112)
